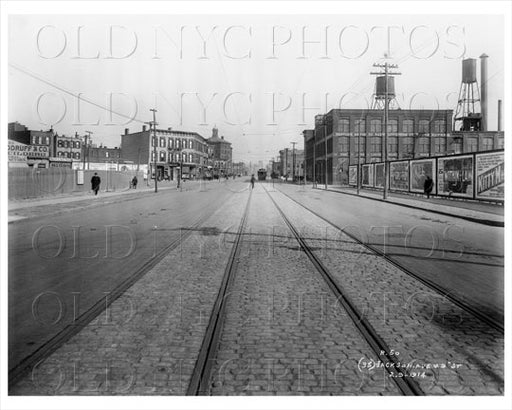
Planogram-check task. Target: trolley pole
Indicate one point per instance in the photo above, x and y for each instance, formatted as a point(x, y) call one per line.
point(325, 143)
point(153, 123)
point(293, 160)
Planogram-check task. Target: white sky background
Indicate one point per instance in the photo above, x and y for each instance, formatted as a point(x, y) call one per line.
point(433, 74)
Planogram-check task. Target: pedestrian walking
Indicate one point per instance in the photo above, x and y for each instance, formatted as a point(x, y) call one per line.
point(95, 183)
point(252, 181)
point(428, 185)
point(134, 182)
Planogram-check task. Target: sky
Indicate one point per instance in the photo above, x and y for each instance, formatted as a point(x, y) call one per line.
point(260, 79)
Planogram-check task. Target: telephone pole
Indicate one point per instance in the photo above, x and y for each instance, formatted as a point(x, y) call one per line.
point(293, 160)
point(154, 124)
point(86, 148)
point(386, 66)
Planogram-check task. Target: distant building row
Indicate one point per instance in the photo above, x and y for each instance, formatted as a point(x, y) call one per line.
point(168, 152)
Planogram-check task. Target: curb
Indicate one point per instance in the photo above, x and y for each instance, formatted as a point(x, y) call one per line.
point(488, 222)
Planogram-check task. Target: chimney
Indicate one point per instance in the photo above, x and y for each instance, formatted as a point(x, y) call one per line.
point(126, 131)
point(143, 128)
point(483, 88)
point(169, 129)
point(222, 137)
point(499, 115)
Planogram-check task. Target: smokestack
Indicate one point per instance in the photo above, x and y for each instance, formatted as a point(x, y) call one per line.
point(143, 128)
point(126, 131)
point(483, 88)
point(499, 115)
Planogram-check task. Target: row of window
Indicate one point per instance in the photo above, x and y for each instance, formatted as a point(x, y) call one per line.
point(177, 143)
point(172, 157)
point(376, 126)
point(68, 144)
point(38, 140)
point(422, 144)
point(74, 155)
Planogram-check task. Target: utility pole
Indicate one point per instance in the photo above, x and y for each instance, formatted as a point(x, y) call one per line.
point(325, 142)
point(154, 124)
point(86, 147)
point(386, 66)
point(293, 161)
point(314, 159)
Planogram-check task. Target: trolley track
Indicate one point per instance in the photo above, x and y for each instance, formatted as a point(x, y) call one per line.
point(495, 324)
point(405, 384)
point(200, 381)
point(49, 347)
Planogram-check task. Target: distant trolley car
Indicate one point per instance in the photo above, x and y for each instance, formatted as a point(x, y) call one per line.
point(262, 174)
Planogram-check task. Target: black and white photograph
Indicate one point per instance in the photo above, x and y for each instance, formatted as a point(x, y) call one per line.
point(220, 204)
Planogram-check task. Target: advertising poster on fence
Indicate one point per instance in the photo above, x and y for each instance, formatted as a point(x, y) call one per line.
point(379, 175)
point(420, 169)
point(490, 175)
point(455, 176)
point(352, 175)
point(399, 175)
point(367, 175)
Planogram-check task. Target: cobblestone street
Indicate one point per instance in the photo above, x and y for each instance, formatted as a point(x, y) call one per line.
point(282, 330)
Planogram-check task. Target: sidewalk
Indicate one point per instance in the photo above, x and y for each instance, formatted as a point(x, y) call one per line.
point(479, 212)
point(19, 209)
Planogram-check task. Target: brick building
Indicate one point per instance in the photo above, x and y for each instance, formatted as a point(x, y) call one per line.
point(174, 150)
point(341, 133)
point(221, 155)
point(286, 163)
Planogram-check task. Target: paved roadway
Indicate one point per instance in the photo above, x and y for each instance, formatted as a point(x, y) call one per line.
point(156, 328)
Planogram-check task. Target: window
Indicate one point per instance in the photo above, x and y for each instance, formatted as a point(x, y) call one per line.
point(392, 145)
point(153, 141)
point(189, 157)
point(472, 145)
point(423, 145)
point(344, 125)
point(487, 143)
point(184, 157)
point(424, 126)
point(106, 154)
point(375, 126)
point(439, 126)
point(408, 145)
point(77, 155)
point(360, 126)
point(375, 144)
point(190, 144)
point(501, 143)
point(408, 126)
point(178, 144)
point(60, 144)
point(170, 143)
point(184, 143)
point(162, 142)
point(440, 145)
point(393, 126)
point(152, 156)
point(78, 144)
point(343, 144)
point(162, 156)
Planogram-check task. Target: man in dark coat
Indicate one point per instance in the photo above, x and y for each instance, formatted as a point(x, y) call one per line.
point(134, 182)
point(428, 185)
point(95, 183)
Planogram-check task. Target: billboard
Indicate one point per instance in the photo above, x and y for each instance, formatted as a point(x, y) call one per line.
point(490, 175)
point(379, 175)
point(419, 170)
point(455, 176)
point(399, 175)
point(367, 175)
point(352, 175)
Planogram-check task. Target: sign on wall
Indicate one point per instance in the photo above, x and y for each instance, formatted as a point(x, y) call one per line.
point(455, 176)
point(379, 175)
point(490, 175)
point(367, 175)
point(399, 175)
point(419, 170)
point(352, 175)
